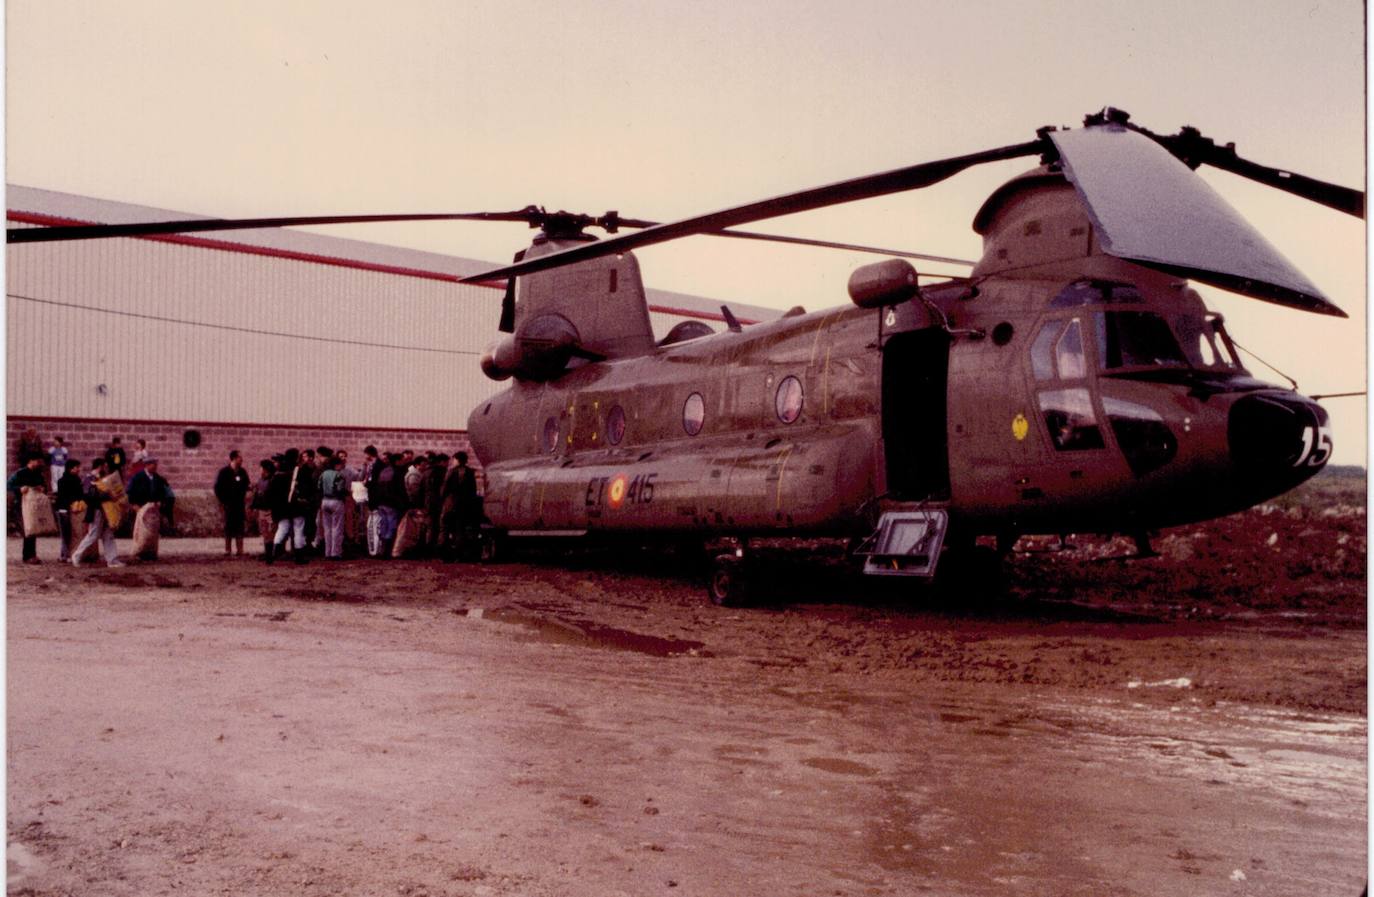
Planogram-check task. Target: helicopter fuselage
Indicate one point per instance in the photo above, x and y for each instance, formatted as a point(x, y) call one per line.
point(1016, 422)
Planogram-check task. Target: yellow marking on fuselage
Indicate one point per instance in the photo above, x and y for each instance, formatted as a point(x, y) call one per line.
point(825, 382)
point(782, 472)
point(820, 328)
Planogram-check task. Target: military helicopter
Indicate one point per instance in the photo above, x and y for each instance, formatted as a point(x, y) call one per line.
point(1072, 382)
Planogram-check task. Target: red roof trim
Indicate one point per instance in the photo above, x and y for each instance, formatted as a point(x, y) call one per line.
point(337, 261)
point(250, 249)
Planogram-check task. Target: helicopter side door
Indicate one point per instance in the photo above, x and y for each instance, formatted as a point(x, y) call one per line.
point(914, 414)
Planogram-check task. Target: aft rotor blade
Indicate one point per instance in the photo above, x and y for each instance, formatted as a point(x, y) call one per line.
point(1195, 149)
point(827, 244)
point(61, 232)
point(1149, 208)
point(823, 244)
point(1334, 196)
point(898, 180)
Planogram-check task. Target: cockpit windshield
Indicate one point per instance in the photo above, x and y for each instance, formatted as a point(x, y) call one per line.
point(1135, 338)
point(1127, 339)
point(1205, 342)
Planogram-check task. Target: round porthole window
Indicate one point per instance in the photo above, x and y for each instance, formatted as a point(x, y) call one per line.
point(550, 434)
point(615, 425)
point(693, 414)
point(788, 401)
point(191, 439)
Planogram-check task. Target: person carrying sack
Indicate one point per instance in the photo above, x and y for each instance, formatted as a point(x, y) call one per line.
point(98, 498)
point(35, 511)
point(152, 495)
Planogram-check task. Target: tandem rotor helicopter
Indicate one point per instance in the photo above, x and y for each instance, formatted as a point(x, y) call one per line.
point(1073, 382)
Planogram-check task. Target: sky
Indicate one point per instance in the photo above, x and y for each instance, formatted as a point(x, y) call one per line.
point(663, 110)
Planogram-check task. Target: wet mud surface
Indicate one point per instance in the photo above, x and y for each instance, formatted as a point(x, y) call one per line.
point(1189, 724)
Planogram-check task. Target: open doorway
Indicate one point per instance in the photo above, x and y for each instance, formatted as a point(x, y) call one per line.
point(915, 438)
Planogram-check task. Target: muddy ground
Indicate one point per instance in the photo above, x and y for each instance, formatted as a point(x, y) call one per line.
point(1190, 724)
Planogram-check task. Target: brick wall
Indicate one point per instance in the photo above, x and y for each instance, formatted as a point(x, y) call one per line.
point(189, 469)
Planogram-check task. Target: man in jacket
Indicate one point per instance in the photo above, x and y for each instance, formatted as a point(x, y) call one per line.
point(29, 478)
point(333, 493)
point(149, 486)
point(461, 508)
point(69, 492)
point(386, 497)
point(434, 500)
point(231, 486)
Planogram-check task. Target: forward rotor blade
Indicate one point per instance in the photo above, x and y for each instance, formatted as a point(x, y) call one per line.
point(824, 244)
point(1149, 208)
point(58, 233)
point(198, 225)
point(910, 178)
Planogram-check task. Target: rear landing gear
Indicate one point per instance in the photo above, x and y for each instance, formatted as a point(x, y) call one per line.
point(727, 585)
point(727, 582)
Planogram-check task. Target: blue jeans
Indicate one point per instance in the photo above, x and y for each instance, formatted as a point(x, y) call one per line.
point(388, 518)
point(285, 526)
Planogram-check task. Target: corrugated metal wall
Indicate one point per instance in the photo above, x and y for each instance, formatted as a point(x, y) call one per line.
point(145, 329)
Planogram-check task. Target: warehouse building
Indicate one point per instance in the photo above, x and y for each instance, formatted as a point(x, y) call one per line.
point(258, 340)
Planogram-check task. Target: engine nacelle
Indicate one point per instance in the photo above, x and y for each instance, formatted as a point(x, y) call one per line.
point(883, 283)
point(540, 350)
point(499, 359)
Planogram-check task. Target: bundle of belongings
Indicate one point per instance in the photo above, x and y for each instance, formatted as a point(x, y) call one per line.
point(117, 508)
point(410, 533)
point(147, 527)
point(77, 516)
point(36, 510)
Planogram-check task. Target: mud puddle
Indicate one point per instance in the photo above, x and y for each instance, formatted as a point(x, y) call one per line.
point(588, 635)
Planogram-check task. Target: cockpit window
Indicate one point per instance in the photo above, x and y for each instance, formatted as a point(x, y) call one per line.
point(1136, 339)
point(1068, 353)
point(1094, 292)
point(1057, 352)
point(1042, 350)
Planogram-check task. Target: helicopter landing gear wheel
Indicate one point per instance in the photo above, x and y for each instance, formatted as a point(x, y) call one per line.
point(726, 584)
point(489, 548)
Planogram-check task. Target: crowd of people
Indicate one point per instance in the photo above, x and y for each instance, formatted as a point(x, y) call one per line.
point(393, 504)
point(303, 501)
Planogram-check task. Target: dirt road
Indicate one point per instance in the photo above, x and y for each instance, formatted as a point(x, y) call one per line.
point(204, 726)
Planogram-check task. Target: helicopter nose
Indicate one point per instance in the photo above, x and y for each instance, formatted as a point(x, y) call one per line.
point(1278, 439)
